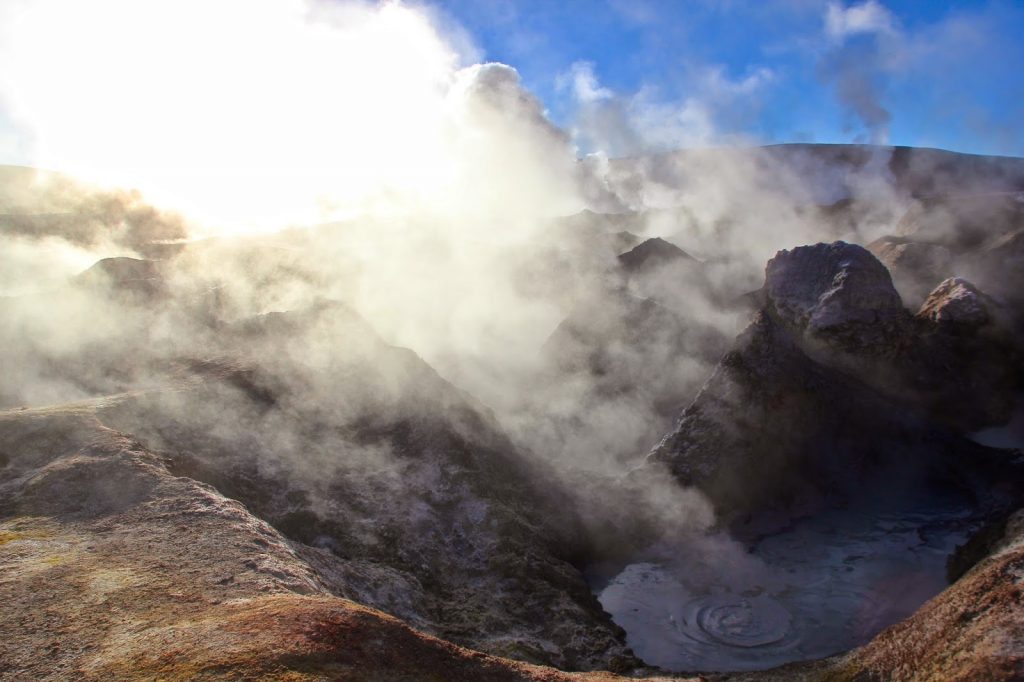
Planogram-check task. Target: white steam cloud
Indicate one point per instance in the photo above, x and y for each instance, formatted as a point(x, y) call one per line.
point(249, 115)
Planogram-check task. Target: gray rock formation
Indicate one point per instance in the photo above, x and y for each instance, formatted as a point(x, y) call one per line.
point(836, 293)
point(978, 237)
point(818, 396)
point(652, 253)
point(955, 302)
point(660, 270)
point(965, 359)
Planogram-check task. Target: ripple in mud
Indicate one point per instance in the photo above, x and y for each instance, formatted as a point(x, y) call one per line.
point(742, 622)
point(829, 584)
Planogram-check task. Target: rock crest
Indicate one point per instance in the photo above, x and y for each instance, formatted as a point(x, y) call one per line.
point(837, 292)
point(955, 302)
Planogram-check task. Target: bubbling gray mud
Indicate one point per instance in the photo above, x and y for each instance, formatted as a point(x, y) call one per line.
point(828, 584)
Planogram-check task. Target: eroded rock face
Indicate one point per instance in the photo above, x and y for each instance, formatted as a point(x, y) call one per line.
point(834, 395)
point(956, 302)
point(964, 361)
point(774, 429)
point(821, 393)
point(115, 568)
point(838, 293)
point(660, 270)
point(401, 490)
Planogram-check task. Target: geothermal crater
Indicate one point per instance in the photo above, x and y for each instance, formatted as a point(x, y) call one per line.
point(234, 462)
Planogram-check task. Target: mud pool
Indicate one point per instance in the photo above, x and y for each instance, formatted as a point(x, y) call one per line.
point(825, 585)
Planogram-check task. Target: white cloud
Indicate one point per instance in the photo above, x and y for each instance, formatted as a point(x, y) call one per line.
point(717, 83)
point(868, 17)
point(584, 83)
point(715, 107)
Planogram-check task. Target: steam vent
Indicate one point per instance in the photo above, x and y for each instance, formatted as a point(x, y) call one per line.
point(441, 340)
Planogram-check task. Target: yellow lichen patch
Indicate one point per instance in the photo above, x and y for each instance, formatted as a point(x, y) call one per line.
point(10, 536)
point(13, 532)
point(30, 545)
point(54, 559)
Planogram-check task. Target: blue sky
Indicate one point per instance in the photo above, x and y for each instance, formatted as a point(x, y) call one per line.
point(621, 76)
point(925, 73)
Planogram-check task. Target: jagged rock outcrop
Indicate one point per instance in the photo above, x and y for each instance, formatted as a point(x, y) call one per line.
point(660, 270)
point(976, 236)
point(964, 363)
point(811, 401)
point(956, 303)
point(836, 293)
point(774, 429)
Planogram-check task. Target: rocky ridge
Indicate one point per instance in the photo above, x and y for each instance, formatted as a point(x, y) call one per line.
point(822, 391)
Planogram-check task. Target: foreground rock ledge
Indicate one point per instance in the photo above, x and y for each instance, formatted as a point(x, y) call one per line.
point(112, 568)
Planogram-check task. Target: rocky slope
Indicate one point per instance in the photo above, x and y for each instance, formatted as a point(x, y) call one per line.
point(831, 385)
point(405, 492)
point(402, 491)
point(115, 568)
